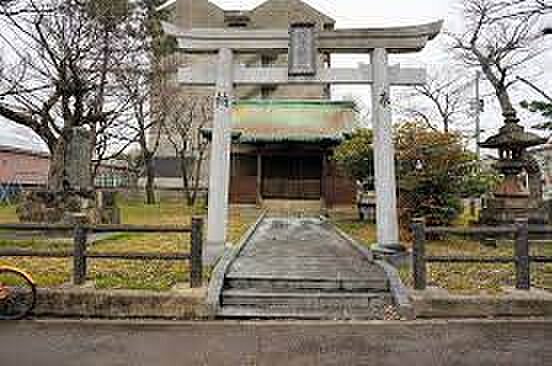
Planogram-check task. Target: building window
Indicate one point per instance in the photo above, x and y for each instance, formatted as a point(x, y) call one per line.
point(111, 180)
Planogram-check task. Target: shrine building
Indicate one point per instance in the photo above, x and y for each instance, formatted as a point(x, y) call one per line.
point(282, 150)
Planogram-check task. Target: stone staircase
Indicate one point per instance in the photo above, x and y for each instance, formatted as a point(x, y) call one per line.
point(301, 269)
point(315, 298)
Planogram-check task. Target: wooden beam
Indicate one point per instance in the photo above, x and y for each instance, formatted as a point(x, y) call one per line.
point(205, 75)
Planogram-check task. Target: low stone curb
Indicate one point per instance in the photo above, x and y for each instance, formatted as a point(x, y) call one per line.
point(438, 303)
point(186, 304)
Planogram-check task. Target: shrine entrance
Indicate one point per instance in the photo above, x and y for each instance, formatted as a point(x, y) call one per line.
point(292, 177)
point(302, 43)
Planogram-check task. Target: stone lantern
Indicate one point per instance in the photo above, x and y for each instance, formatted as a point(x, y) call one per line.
point(512, 199)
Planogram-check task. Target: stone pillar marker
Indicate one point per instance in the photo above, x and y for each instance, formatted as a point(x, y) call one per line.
point(219, 177)
point(384, 157)
point(77, 158)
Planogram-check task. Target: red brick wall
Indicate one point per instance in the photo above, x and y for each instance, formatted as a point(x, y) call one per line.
point(23, 168)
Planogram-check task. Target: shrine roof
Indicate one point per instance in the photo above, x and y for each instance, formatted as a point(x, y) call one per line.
point(299, 121)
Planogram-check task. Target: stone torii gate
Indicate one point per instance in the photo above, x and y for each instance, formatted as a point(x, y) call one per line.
point(303, 43)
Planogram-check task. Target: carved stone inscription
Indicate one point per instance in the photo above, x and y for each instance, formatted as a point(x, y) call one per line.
point(302, 50)
point(77, 160)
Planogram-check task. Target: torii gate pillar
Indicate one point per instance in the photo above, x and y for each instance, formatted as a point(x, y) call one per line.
point(384, 157)
point(219, 176)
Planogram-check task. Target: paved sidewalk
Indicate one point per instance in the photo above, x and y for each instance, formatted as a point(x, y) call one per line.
point(70, 343)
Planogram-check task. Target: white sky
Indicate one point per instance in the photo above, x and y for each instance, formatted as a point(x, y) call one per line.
point(363, 13)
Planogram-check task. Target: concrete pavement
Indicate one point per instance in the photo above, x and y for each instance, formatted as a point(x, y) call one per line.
point(136, 343)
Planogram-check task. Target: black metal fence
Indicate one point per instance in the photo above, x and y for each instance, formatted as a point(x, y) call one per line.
point(80, 253)
point(521, 259)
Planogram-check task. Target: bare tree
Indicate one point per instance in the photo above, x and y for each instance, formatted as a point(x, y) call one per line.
point(183, 127)
point(145, 81)
point(148, 109)
point(59, 73)
point(523, 8)
point(446, 91)
point(500, 37)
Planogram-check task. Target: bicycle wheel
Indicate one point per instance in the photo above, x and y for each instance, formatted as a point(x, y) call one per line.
point(17, 294)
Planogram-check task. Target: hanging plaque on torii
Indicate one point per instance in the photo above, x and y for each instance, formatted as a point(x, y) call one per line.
point(302, 55)
point(304, 43)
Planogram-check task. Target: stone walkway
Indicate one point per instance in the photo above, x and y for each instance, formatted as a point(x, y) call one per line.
point(300, 267)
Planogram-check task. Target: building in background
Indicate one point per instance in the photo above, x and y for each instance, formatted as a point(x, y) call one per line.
point(28, 169)
point(284, 146)
point(23, 167)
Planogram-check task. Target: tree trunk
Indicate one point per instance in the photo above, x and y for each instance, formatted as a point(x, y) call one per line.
point(56, 171)
point(504, 99)
point(150, 180)
point(185, 178)
point(499, 85)
point(446, 125)
point(197, 175)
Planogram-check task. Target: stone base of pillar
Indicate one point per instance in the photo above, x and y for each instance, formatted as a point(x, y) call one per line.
point(396, 255)
point(388, 249)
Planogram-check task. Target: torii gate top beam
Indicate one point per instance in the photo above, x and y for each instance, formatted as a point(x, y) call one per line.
point(394, 39)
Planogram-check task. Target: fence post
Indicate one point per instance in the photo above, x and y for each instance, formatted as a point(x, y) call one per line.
point(418, 254)
point(79, 254)
point(523, 271)
point(196, 261)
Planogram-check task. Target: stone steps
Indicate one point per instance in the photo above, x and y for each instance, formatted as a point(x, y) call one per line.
point(377, 309)
point(300, 268)
point(306, 284)
point(300, 300)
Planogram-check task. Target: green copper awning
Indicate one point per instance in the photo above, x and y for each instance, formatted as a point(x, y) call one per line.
point(292, 121)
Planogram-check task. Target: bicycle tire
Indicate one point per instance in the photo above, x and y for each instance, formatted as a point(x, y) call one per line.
point(21, 310)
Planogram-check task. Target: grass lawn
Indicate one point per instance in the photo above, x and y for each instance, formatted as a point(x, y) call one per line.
point(363, 232)
point(7, 213)
point(460, 278)
point(150, 275)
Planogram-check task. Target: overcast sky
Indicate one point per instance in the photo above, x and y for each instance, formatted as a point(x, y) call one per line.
point(361, 13)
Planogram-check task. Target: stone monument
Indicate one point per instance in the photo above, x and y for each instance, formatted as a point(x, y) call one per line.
point(512, 198)
point(77, 194)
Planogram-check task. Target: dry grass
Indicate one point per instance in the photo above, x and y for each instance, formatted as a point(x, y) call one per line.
point(347, 220)
point(117, 274)
point(7, 213)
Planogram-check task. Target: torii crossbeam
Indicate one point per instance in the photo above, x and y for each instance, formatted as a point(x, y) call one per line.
point(303, 43)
